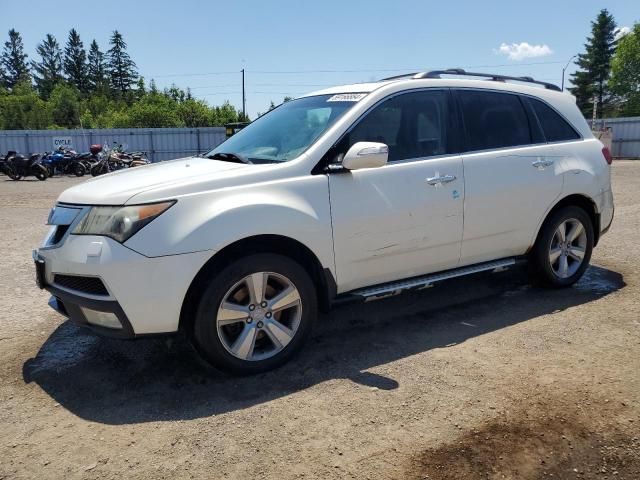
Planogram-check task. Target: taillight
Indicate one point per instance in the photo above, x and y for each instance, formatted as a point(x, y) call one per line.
point(607, 155)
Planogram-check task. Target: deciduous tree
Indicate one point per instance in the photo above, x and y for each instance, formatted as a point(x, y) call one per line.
point(625, 72)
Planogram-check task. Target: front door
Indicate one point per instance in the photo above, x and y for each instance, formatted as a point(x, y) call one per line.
point(405, 218)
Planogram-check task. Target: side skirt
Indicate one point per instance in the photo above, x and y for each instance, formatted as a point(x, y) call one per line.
point(396, 287)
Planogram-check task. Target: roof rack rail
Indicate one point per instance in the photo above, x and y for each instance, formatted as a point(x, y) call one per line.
point(460, 72)
point(397, 77)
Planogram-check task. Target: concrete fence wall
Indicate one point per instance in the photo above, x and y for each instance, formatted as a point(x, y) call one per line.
point(159, 143)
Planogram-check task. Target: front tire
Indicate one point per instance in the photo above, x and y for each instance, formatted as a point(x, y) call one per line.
point(255, 314)
point(42, 174)
point(79, 170)
point(563, 249)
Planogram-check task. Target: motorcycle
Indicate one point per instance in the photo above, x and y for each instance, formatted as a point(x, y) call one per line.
point(3, 165)
point(17, 166)
point(116, 158)
point(67, 162)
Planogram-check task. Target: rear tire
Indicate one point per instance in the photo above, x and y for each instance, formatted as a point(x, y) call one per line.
point(563, 248)
point(255, 314)
point(79, 170)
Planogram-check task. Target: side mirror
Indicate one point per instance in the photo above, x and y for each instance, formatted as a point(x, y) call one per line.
point(366, 155)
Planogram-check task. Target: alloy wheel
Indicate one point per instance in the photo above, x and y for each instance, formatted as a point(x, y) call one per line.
point(568, 247)
point(259, 316)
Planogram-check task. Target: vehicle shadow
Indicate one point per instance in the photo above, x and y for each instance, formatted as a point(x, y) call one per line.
point(122, 382)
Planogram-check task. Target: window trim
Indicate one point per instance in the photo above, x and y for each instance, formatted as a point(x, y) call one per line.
point(453, 136)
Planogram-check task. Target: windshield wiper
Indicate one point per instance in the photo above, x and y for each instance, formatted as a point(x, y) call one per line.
point(230, 157)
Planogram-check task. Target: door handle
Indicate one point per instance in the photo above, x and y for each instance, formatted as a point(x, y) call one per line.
point(542, 163)
point(439, 180)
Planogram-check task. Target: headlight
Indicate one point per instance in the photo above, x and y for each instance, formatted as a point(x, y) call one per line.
point(119, 223)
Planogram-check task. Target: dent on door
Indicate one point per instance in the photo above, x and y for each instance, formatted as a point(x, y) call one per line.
point(398, 221)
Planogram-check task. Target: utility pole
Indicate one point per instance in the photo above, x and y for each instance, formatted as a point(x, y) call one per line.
point(564, 68)
point(244, 100)
point(595, 112)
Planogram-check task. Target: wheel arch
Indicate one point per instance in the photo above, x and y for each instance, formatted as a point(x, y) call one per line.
point(577, 200)
point(322, 277)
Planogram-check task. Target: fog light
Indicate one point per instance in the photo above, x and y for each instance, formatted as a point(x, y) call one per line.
point(101, 319)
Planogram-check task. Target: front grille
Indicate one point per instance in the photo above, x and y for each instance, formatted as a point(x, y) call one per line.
point(90, 285)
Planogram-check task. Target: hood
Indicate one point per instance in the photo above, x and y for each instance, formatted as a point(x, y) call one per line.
point(118, 187)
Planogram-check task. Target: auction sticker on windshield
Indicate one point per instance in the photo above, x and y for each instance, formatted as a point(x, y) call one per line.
point(347, 97)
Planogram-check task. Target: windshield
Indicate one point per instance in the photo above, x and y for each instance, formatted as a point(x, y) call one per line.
point(287, 131)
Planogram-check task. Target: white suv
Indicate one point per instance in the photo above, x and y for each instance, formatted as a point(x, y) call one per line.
point(353, 192)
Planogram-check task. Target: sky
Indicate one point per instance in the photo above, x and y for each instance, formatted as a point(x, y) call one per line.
point(293, 47)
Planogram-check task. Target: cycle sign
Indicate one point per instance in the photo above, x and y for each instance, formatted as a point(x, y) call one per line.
point(64, 142)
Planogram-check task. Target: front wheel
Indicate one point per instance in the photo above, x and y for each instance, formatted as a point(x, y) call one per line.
point(255, 314)
point(79, 170)
point(40, 172)
point(563, 249)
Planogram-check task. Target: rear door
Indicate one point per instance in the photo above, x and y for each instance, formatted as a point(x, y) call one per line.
point(405, 218)
point(511, 175)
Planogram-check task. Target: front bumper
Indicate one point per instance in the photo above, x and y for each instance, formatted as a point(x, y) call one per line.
point(144, 294)
point(74, 307)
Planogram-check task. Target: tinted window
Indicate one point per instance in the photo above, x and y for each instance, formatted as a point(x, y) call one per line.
point(413, 125)
point(493, 120)
point(555, 128)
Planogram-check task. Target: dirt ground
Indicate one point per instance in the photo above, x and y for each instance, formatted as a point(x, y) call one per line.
point(483, 378)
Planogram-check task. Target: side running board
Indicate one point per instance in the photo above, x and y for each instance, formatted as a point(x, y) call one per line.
point(393, 288)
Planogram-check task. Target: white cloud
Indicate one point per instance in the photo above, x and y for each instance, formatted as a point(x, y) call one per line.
point(621, 32)
point(520, 51)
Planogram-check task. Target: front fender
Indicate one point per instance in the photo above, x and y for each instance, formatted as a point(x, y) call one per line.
point(297, 208)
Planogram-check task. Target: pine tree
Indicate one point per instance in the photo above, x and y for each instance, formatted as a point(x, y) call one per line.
point(75, 61)
point(595, 66)
point(14, 61)
point(122, 69)
point(141, 89)
point(48, 71)
point(96, 69)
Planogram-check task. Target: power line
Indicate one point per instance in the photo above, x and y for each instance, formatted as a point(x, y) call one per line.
point(363, 70)
point(227, 85)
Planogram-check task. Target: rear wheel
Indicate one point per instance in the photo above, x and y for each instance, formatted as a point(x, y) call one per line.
point(563, 249)
point(79, 170)
point(255, 314)
point(13, 174)
point(98, 169)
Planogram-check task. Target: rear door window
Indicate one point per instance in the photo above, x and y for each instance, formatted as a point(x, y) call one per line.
point(493, 120)
point(555, 128)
